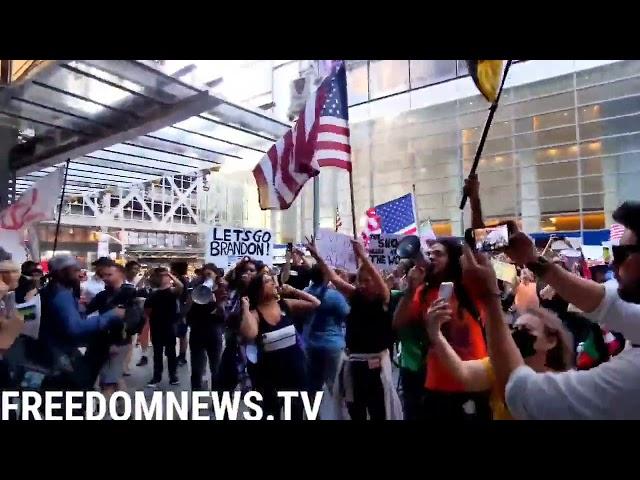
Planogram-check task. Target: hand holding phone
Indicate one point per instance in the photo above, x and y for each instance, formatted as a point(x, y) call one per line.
point(446, 290)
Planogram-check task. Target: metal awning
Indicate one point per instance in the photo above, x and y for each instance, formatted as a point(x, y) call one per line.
point(123, 122)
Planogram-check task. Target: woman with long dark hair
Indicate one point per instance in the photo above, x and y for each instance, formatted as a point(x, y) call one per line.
point(445, 397)
point(238, 356)
point(268, 319)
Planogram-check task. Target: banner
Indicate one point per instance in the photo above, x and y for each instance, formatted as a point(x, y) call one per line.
point(35, 204)
point(382, 249)
point(226, 245)
point(336, 250)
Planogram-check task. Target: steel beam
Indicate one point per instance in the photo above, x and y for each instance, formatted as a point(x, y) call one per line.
point(178, 112)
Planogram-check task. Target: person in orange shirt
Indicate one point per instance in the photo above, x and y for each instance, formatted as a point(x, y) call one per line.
point(446, 398)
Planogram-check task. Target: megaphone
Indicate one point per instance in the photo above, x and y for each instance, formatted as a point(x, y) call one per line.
point(202, 294)
point(409, 247)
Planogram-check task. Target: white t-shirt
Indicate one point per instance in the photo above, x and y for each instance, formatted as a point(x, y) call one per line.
point(610, 391)
point(92, 287)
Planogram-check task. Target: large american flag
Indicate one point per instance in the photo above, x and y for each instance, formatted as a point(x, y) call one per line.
point(395, 217)
point(319, 138)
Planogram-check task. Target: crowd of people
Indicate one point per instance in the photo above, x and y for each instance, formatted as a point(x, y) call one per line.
point(550, 344)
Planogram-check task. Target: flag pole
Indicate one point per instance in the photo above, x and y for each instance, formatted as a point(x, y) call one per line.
point(64, 186)
point(415, 207)
point(316, 205)
point(487, 125)
point(353, 206)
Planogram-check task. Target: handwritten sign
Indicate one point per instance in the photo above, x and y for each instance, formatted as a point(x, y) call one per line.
point(336, 250)
point(226, 245)
point(382, 251)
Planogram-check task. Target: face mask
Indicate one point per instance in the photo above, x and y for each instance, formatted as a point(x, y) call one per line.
point(524, 341)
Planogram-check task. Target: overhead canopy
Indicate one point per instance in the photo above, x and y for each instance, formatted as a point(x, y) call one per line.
point(123, 122)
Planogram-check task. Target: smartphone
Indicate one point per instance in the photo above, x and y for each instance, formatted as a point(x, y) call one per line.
point(446, 290)
point(491, 239)
point(290, 247)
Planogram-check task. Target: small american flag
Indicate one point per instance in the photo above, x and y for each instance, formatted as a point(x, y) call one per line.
point(338, 220)
point(319, 138)
point(615, 233)
point(396, 217)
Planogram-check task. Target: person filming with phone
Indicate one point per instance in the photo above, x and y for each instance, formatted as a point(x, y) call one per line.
point(433, 293)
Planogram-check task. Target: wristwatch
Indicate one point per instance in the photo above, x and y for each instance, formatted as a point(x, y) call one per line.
point(540, 267)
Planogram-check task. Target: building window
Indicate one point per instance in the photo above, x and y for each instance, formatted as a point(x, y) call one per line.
point(387, 77)
point(357, 81)
point(428, 72)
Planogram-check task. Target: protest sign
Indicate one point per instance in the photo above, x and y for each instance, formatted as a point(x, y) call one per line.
point(593, 252)
point(504, 271)
point(382, 249)
point(226, 245)
point(336, 249)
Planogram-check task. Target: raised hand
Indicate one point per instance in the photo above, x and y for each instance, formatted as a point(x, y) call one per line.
point(478, 275)
point(472, 186)
point(311, 246)
point(438, 314)
point(521, 249)
point(416, 277)
point(358, 248)
point(245, 303)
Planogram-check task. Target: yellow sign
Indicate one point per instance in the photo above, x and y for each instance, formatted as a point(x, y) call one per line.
point(504, 271)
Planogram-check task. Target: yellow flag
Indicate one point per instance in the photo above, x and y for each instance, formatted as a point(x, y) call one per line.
point(486, 74)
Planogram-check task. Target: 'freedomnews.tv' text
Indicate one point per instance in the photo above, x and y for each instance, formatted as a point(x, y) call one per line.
point(31, 405)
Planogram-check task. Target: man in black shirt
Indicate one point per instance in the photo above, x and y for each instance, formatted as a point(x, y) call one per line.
point(162, 312)
point(207, 327)
point(107, 353)
point(179, 270)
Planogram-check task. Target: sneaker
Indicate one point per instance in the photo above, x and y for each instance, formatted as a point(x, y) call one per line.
point(143, 361)
point(154, 383)
point(174, 381)
point(182, 361)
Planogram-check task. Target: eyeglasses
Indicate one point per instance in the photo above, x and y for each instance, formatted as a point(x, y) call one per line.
point(622, 252)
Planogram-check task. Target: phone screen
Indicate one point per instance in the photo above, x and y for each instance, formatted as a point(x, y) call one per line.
point(445, 291)
point(491, 239)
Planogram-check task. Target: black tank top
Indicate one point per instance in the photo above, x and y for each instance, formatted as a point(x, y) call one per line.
point(264, 327)
point(368, 325)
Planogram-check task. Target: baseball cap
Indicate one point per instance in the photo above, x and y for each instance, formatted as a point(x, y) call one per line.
point(60, 262)
point(103, 262)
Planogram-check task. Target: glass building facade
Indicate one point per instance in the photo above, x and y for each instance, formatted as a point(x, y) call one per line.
point(562, 153)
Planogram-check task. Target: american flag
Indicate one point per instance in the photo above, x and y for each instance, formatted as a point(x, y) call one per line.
point(338, 220)
point(319, 138)
point(395, 217)
point(615, 233)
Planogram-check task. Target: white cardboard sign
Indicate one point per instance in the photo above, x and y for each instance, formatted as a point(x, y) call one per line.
point(226, 245)
point(336, 249)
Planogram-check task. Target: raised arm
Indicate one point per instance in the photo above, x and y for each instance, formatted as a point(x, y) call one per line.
point(472, 374)
point(472, 189)
point(367, 266)
point(286, 268)
point(479, 277)
point(328, 273)
point(585, 294)
point(300, 302)
point(405, 313)
point(178, 286)
point(249, 322)
point(73, 323)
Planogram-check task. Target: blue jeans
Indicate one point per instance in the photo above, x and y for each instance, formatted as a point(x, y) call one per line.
point(322, 365)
